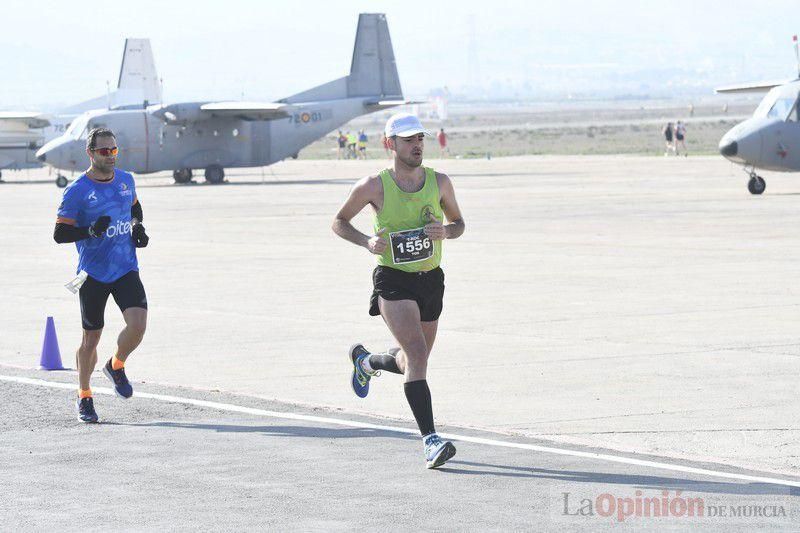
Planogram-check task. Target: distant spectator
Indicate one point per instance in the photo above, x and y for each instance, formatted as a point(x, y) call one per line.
point(442, 138)
point(362, 145)
point(680, 135)
point(667, 131)
point(342, 140)
point(351, 145)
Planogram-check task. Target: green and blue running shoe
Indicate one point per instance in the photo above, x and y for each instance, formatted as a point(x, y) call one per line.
point(360, 378)
point(437, 452)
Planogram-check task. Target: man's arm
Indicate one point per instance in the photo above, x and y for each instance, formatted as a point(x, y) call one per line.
point(363, 193)
point(66, 231)
point(140, 238)
point(456, 226)
point(137, 215)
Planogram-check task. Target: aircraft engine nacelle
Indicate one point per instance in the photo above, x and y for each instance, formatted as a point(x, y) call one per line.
point(181, 114)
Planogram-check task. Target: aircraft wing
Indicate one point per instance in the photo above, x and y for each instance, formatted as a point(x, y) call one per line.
point(760, 87)
point(248, 110)
point(190, 112)
point(30, 119)
point(377, 105)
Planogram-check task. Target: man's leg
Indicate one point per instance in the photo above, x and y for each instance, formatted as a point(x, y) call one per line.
point(130, 296)
point(86, 357)
point(85, 361)
point(93, 296)
point(133, 333)
point(428, 330)
point(416, 340)
point(403, 319)
point(128, 340)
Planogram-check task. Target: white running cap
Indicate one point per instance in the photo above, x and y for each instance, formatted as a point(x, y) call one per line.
point(404, 125)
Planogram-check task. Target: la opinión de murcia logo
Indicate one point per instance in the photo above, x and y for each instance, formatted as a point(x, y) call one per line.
point(665, 505)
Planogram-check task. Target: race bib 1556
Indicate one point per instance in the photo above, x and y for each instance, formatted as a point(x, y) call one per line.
point(410, 246)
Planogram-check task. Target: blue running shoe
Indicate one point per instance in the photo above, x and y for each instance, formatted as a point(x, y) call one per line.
point(121, 384)
point(437, 452)
point(86, 411)
point(360, 378)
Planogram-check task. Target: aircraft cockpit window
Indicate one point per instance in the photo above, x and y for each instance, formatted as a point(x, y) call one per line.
point(781, 108)
point(793, 114)
point(77, 128)
point(766, 104)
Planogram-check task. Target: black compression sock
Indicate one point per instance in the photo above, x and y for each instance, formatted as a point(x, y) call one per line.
point(419, 398)
point(384, 361)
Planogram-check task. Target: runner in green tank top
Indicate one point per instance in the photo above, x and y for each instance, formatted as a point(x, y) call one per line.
point(410, 203)
point(403, 220)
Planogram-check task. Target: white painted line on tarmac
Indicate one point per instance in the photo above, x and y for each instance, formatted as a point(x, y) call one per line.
point(464, 438)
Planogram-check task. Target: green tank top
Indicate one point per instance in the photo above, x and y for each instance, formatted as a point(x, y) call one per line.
point(404, 215)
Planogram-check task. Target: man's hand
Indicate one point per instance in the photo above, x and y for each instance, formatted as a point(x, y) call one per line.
point(377, 244)
point(435, 230)
point(100, 226)
point(140, 238)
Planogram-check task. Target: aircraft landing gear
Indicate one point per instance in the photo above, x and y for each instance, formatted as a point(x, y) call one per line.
point(756, 185)
point(182, 175)
point(215, 174)
point(61, 181)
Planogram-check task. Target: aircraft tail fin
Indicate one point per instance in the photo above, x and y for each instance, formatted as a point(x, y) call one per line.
point(373, 72)
point(138, 80)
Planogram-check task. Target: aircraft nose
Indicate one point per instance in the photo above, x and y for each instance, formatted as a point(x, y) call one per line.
point(41, 153)
point(728, 149)
point(53, 152)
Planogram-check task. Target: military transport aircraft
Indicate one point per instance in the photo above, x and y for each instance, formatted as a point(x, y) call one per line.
point(213, 136)
point(23, 133)
point(770, 139)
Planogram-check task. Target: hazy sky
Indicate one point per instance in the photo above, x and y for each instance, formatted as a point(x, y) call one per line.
point(62, 52)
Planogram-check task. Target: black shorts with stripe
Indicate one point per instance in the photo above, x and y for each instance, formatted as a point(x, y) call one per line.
point(425, 288)
point(127, 291)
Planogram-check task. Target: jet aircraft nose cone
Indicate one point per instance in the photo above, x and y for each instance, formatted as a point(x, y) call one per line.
point(41, 157)
point(729, 149)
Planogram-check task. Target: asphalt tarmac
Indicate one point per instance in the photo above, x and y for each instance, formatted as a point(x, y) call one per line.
point(154, 465)
point(640, 306)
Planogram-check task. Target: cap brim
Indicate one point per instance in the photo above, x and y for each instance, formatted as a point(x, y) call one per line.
point(411, 133)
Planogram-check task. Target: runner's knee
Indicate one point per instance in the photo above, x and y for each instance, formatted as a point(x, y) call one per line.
point(416, 352)
point(91, 338)
point(138, 328)
point(136, 322)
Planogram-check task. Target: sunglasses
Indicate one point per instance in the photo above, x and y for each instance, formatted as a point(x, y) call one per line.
point(106, 151)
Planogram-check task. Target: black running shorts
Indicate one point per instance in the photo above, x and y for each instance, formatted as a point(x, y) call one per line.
point(128, 291)
point(425, 288)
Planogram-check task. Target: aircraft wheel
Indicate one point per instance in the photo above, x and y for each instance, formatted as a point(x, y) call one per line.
point(215, 174)
point(61, 181)
point(182, 175)
point(756, 185)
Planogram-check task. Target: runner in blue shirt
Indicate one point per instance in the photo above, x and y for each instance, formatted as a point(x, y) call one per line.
point(101, 214)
